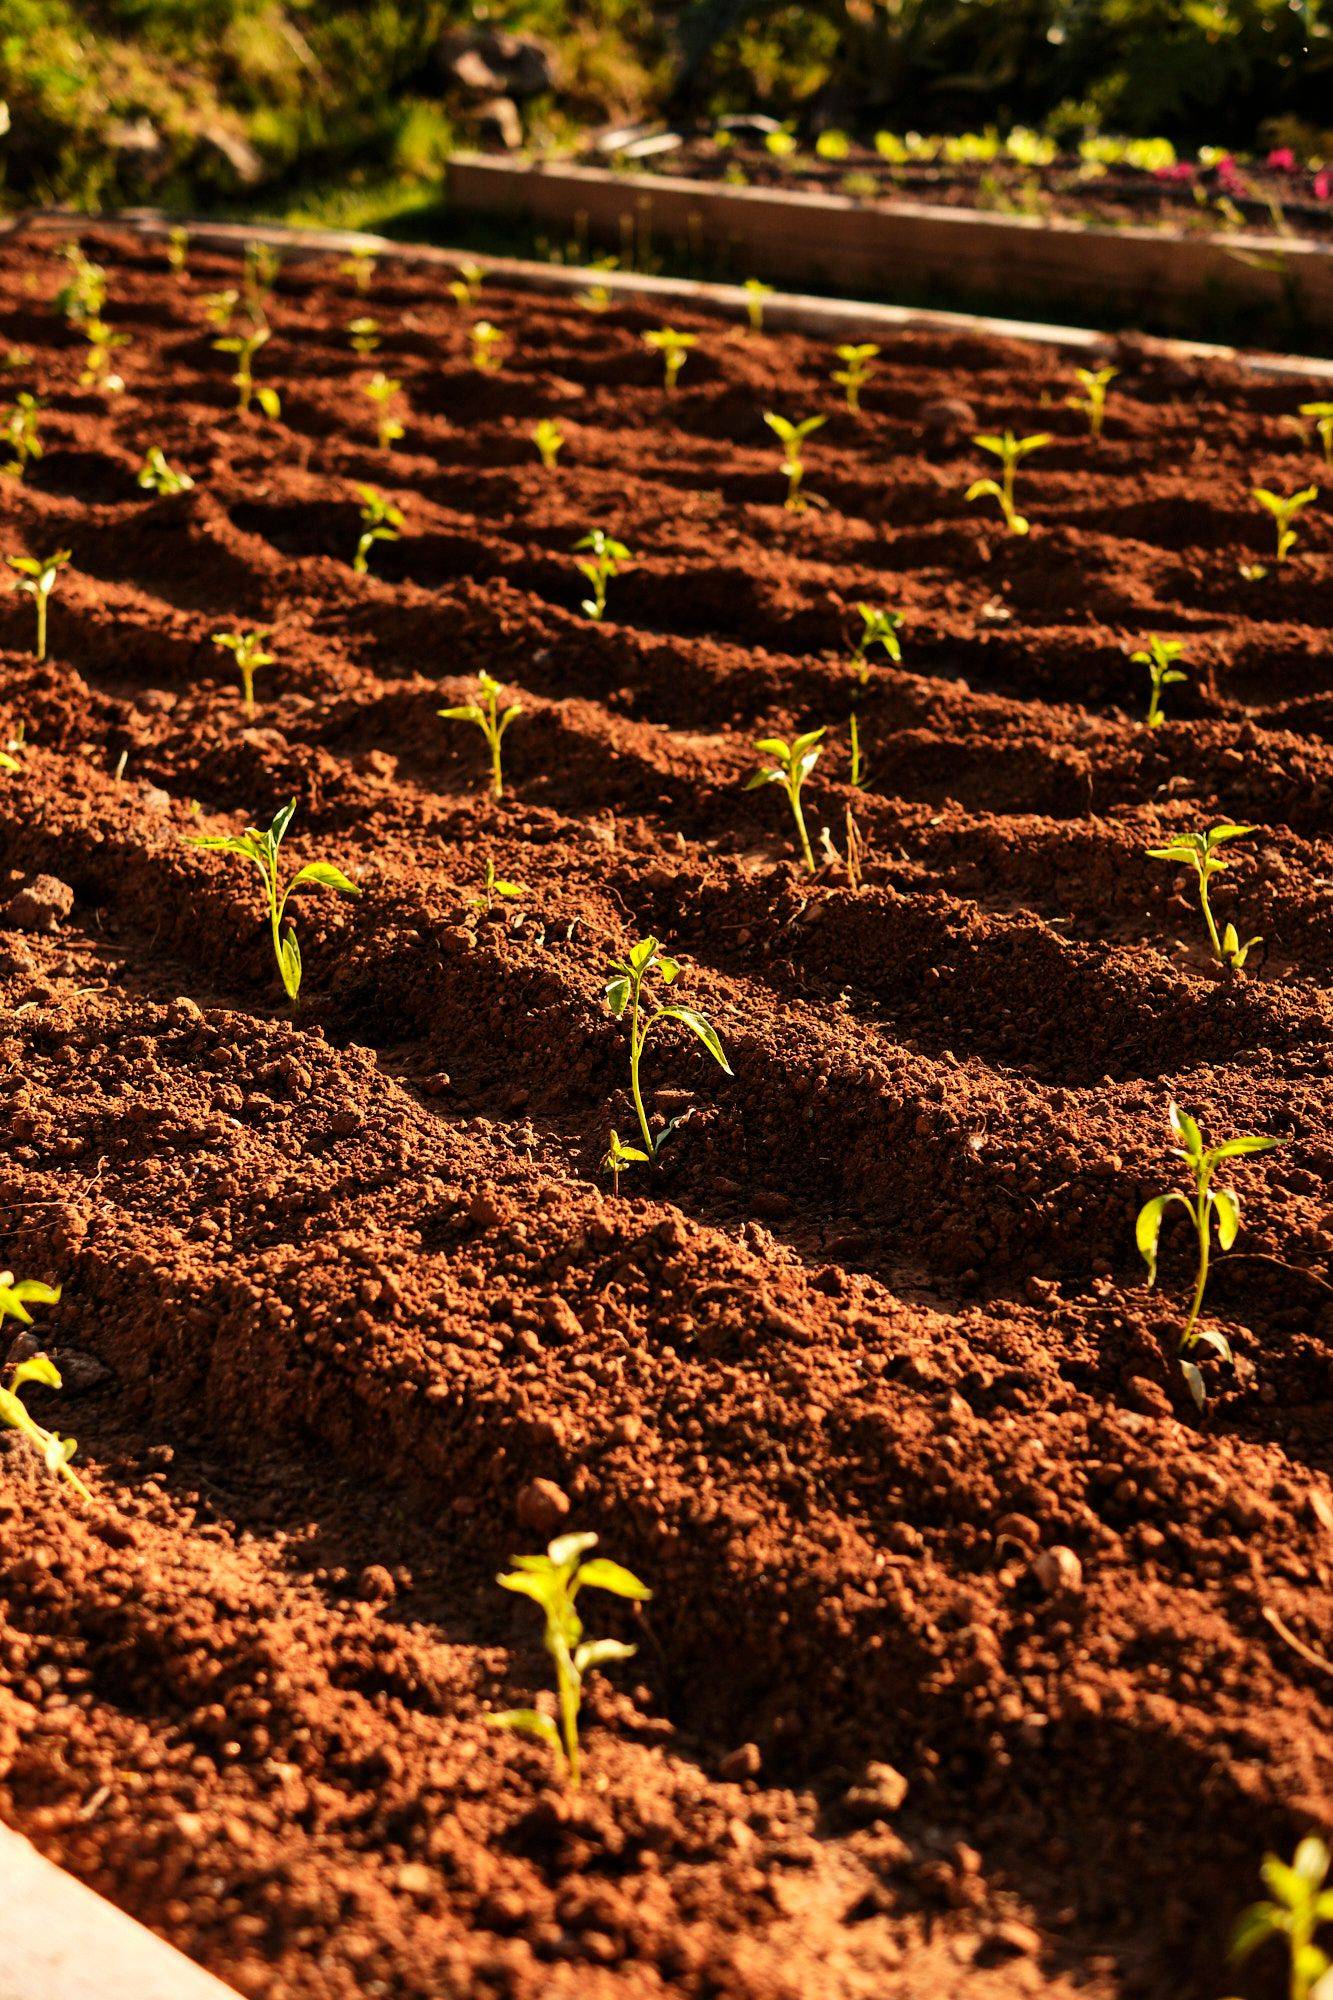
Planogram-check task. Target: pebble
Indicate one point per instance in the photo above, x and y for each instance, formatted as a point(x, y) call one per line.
point(40, 905)
point(746, 1761)
point(1057, 1572)
point(880, 1793)
point(541, 1506)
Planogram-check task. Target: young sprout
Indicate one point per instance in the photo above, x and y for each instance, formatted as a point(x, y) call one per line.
point(1300, 1907)
point(594, 299)
point(381, 390)
point(247, 649)
point(1322, 413)
point(549, 440)
point(156, 476)
point(245, 346)
point(1094, 382)
point(359, 266)
point(625, 989)
point(1207, 1206)
point(83, 294)
point(851, 378)
point(1009, 450)
point(792, 765)
point(97, 372)
point(220, 307)
point(674, 349)
point(262, 264)
point(262, 848)
point(619, 1156)
point(16, 1295)
point(20, 431)
point(600, 566)
point(879, 628)
point(381, 521)
point(488, 344)
point(1284, 509)
point(494, 884)
point(8, 761)
point(464, 287)
point(178, 250)
point(1199, 852)
point(553, 1581)
point(1160, 659)
point(36, 577)
point(364, 334)
point(492, 724)
point(756, 291)
point(792, 438)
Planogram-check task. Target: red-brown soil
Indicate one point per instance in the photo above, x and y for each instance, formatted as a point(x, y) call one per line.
point(873, 1339)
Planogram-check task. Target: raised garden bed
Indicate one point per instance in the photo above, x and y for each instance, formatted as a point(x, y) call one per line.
point(862, 1377)
point(1211, 286)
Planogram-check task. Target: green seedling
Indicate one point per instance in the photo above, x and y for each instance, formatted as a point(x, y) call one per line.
point(625, 990)
point(487, 716)
point(36, 577)
point(603, 562)
point(262, 848)
point(16, 1295)
point(1160, 658)
point(619, 1156)
point(364, 334)
point(857, 367)
point(1208, 1206)
point(1094, 382)
point(381, 521)
point(1322, 415)
point(756, 291)
point(1199, 852)
point(247, 649)
point(1010, 450)
point(245, 346)
point(220, 307)
point(359, 266)
point(1300, 1906)
point(178, 250)
point(674, 349)
point(381, 390)
point(262, 264)
point(1284, 508)
point(465, 286)
point(879, 628)
point(97, 372)
point(20, 432)
point(156, 476)
point(488, 345)
point(494, 884)
point(8, 761)
point(792, 438)
point(549, 440)
point(594, 298)
point(856, 777)
point(792, 765)
point(83, 294)
point(553, 1582)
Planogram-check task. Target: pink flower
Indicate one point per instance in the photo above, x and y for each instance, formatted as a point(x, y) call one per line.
point(1179, 170)
point(1323, 185)
point(1282, 160)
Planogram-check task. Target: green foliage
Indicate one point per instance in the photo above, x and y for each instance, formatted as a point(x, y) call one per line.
point(487, 716)
point(97, 372)
point(549, 440)
point(619, 1156)
point(1284, 508)
point(756, 291)
point(36, 577)
point(1010, 451)
point(792, 764)
point(857, 367)
point(259, 274)
point(488, 347)
point(364, 334)
point(878, 628)
point(1160, 658)
point(1199, 852)
point(156, 476)
point(82, 297)
point(674, 349)
point(16, 1295)
point(1322, 416)
point(381, 390)
point(464, 288)
point(603, 562)
point(627, 992)
point(1298, 1908)
point(494, 884)
point(20, 433)
point(1208, 1207)
point(247, 649)
point(178, 250)
point(263, 849)
point(381, 521)
point(553, 1582)
point(359, 266)
point(245, 346)
point(1094, 382)
point(792, 437)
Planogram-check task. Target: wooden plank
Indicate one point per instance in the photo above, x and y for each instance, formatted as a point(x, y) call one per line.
point(60, 1941)
point(1175, 277)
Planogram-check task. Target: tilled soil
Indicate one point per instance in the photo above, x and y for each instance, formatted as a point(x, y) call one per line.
point(863, 1377)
